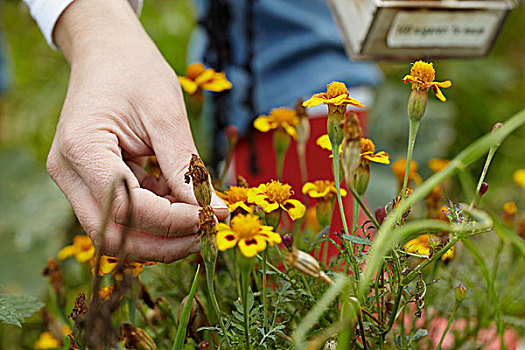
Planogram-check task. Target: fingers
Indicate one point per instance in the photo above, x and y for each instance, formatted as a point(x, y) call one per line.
point(141, 245)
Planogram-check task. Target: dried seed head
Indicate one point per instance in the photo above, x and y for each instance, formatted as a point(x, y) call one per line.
point(136, 338)
point(198, 174)
point(306, 264)
point(207, 231)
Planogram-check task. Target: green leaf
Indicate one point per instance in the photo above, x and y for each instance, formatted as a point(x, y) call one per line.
point(25, 305)
point(356, 239)
point(8, 312)
point(421, 333)
point(178, 344)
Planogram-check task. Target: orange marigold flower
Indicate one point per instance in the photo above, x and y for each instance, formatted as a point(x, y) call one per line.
point(422, 75)
point(336, 94)
point(284, 118)
point(82, 249)
point(274, 195)
point(236, 197)
point(248, 233)
point(399, 167)
point(197, 77)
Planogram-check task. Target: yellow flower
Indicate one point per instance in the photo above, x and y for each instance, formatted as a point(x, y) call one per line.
point(324, 142)
point(82, 249)
point(197, 77)
point(284, 118)
point(519, 177)
point(248, 233)
point(105, 292)
point(46, 341)
point(108, 264)
point(437, 164)
point(336, 94)
point(322, 189)
point(421, 245)
point(422, 77)
point(274, 195)
point(235, 197)
point(368, 153)
point(399, 167)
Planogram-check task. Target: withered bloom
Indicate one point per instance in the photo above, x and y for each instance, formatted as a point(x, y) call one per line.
point(135, 338)
point(199, 176)
point(80, 308)
point(306, 264)
point(56, 279)
point(207, 231)
point(396, 201)
point(241, 182)
point(198, 318)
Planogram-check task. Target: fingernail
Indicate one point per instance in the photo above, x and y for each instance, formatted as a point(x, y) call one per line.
point(195, 248)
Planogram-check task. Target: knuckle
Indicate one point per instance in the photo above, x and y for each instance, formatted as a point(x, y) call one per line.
point(52, 166)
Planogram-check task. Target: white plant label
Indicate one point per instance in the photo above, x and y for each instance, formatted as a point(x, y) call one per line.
point(442, 29)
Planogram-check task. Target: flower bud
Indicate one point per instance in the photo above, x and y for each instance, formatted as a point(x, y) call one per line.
point(483, 188)
point(417, 104)
point(303, 128)
point(273, 218)
point(380, 215)
point(460, 293)
point(198, 174)
point(306, 264)
point(351, 147)
point(204, 345)
point(362, 178)
point(135, 338)
point(336, 115)
point(288, 240)
point(197, 318)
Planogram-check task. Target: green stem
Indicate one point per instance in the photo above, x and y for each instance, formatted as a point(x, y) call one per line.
point(412, 133)
point(451, 318)
point(364, 207)
point(337, 180)
point(280, 160)
point(355, 217)
point(265, 306)
point(210, 270)
point(245, 282)
point(490, 155)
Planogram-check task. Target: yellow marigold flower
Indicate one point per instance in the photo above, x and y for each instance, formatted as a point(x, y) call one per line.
point(109, 263)
point(519, 177)
point(82, 249)
point(284, 118)
point(422, 77)
point(197, 77)
point(46, 341)
point(274, 195)
point(421, 246)
point(323, 189)
point(336, 94)
point(235, 197)
point(324, 142)
point(438, 164)
point(510, 208)
point(399, 167)
point(368, 152)
point(248, 233)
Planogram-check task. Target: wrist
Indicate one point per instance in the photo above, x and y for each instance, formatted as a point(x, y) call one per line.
point(89, 27)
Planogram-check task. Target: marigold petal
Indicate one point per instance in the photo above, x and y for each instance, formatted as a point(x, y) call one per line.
point(354, 102)
point(270, 236)
point(267, 204)
point(226, 240)
point(205, 76)
point(262, 123)
point(107, 264)
point(338, 100)
point(448, 255)
point(232, 207)
point(294, 208)
point(408, 79)
point(308, 187)
point(250, 247)
point(85, 255)
point(46, 341)
point(519, 177)
point(324, 142)
point(443, 84)
point(314, 101)
point(438, 93)
point(188, 85)
point(67, 252)
point(379, 157)
point(290, 130)
point(343, 192)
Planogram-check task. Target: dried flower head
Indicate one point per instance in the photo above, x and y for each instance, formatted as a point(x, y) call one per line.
point(135, 338)
point(199, 176)
point(80, 308)
point(306, 264)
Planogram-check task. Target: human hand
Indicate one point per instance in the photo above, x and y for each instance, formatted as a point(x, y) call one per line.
point(123, 103)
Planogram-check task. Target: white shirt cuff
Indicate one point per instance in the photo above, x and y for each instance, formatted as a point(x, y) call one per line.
point(47, 12)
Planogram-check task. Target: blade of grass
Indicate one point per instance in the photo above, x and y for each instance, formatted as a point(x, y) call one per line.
point(178, 344)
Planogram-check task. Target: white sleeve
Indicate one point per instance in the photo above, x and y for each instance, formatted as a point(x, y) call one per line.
point(47, 12)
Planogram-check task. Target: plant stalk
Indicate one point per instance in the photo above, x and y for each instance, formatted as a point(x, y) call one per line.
point(412, 133)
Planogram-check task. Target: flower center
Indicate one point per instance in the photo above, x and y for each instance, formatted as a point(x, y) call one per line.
point(367, 146)
point(237, 194)
point(245, 226)
point(278, 192)
point(423, 70)
point(284, 115)
point(335, 89)
point(194, 70)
